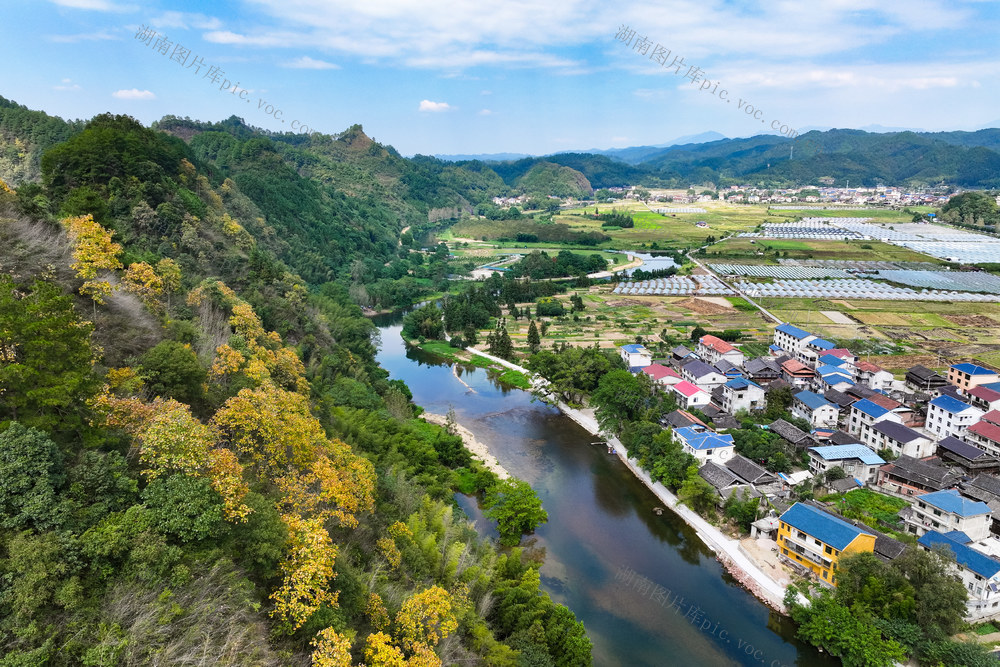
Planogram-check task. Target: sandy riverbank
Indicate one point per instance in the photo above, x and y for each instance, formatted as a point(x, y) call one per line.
point(479, 451)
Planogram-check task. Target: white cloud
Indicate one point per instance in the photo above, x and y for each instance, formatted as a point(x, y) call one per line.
point(67, 85)
point(96, 5)
point(427, 105)
point(102, 35)
point(485, 112)
point(133, 94)
point(186, 21)
point(305, 62)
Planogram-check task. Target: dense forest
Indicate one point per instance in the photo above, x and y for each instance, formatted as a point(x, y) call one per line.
point(200, 460)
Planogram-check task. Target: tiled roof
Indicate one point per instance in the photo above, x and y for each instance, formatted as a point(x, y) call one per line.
point(841, 352)
point(679, 418)
point(756, 366)
point(838, 397)
point(700, 439)
point(749, 470)
point(789, 432)
point(952, 501)
point(868, 367)
point(841, 452)
point(698, 368)
point(885, 401)
point(984, 393)
point(716, 343)
point(686, 388)
point(793, 331)
point(949, 404)
point(865, 406)
point(896, 431)
point(961, 448)
point(973, 369)
point(659, 371)
point(812, 400)
point(717, 476)
point(993, 417)
point(680, 351)
point(841, 438)
point(831, 360)
point(794, 366)
point(923, 373)
point(821, 525)
point(922, 472)
point(964, 555)
point(986, 430)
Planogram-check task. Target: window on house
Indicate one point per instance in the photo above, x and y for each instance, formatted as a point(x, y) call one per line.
point(828, 549)
point(802, 535)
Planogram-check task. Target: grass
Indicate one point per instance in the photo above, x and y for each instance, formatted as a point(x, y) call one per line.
point(764, 251)
point(985, 629)
point(514, 378)
point(866, 506)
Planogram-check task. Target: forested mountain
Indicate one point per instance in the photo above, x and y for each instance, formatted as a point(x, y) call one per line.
point(24, 136)
point(200, 460)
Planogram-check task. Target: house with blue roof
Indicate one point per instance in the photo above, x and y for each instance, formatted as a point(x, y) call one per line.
point(966, 376)
point(636, 357)
point(831, 377)
point(813, 540)
point(705, 444)
point(857, 461)
point(791, 339)
point(813, 350)
point(865, 414)
point(815, 409)
point(946, 415)
point(948, 510)
point(831, 360)
point(742, 394)
point(980, 574)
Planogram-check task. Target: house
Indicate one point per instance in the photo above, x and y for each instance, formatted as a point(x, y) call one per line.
point(792, 434)
point(797, 373)
point(832, 377)
point(857, 461)
point(762, 371)
point(838, 437)
point(888, 549)
point(791, 339)
point(704, 444)
point(690, 396)
point(979, 573)
point(712, 349)
point(985, 435)
point(844, 355)
point(864, 415)
point(984, 398)
point(966, 376)
point(815, 409)
point(724, 422)
point(814, 540)
point(813, 350)
point(722, 479)
point(874, 376)
point(907, 476)
point(702, 374)
point(987, 489)
point(839, 398)
point(950, 416)
point(679, 418)
point(899, 439)
point(741, 394)
point(662, 375)
point(968, 456)
point(729, 369)
point(907, 415)
point(635, 356)
point(680, 353)
point(922, 378)
point(948, 510)
point(751, 473)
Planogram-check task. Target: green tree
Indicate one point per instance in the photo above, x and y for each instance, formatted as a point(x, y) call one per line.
point(185, 507)
point(470, 333)
point(697, 493)
point(516, 508)
point(499, 342)
point(620, 397)
point(846, 634)
point(172, 370)
point(534, 341)
point(425, 321)
point(939, 596)
point(45, 358)
point(742, 510)
point(30, 472)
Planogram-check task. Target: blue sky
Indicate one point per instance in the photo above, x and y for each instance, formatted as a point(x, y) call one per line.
point(483, 76)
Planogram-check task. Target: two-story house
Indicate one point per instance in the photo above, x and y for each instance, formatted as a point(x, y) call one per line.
point(857, 461)
point(763, 371)
point(704, 444)
point(815, 409)
point(966, 376)
point(947, 510)
point(949, 416)
point(864, 415)
point(662, 375)
point(898, 439)
point(635, 356)
point(797, 374)
point(985, 435)
point(699, 373)
point(980, 574)
point(689, 396)
point(812, 539)
point(873, 375)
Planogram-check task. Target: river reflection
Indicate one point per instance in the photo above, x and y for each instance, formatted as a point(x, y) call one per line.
point(647, 589)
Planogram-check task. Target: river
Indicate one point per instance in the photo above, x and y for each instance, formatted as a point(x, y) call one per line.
point(646, 588)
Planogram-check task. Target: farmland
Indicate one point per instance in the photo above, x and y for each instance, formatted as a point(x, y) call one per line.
point(766, 251)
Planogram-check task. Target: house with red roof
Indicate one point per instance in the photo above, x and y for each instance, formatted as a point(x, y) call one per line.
point(985, 435)
point(797, 374)
point(713, 349)
point(984, 398)
point(690, 396)
point(662, 375)
point(873, 375)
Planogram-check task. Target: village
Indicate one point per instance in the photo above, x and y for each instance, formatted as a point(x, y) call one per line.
point(930, 441)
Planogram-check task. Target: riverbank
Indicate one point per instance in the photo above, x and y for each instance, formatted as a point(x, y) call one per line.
point(479, 451)
point(746, 570)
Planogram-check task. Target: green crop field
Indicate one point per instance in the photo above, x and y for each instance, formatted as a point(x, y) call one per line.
point(765, 251)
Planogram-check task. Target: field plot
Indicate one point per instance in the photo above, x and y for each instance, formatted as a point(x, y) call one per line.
point(770, 251)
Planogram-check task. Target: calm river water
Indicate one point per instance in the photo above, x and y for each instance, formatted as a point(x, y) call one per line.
point(647, 590)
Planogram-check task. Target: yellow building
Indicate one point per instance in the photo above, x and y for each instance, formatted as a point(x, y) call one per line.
point(815, 540)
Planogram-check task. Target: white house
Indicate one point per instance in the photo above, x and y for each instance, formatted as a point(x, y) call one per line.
point(874, 376)
point(980, 574)
point(636, 356)
point(857, 461)
point(690, 396)
point(705, 445)
point(742, 394)
point(899, 439)
point(864, 415)
point(791, 338)
point(705, 376)
point(712, 349)
point(949, 416)
point(985, 435)
point(948, 510)
point(815, 409)
point(662, 375)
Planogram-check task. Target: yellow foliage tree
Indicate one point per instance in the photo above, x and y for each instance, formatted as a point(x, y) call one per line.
point(331, 649)
point(169, 272)
point(174, 440)
point(226, 475)
point(426, 618)
point(5, 188)
point(142, 280)
point(377, 614)
point(306, 572)
point(380, 651)
point(93, 251)
point(390, 551)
